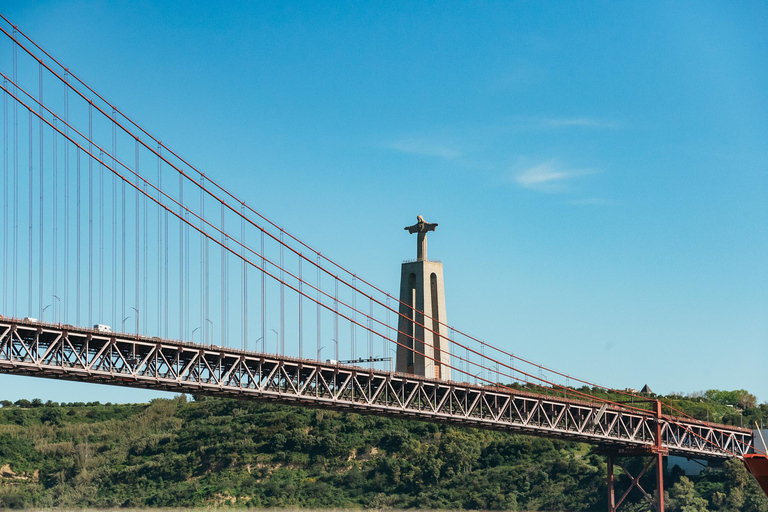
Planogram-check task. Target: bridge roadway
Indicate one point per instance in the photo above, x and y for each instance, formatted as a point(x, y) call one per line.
point(73, 353)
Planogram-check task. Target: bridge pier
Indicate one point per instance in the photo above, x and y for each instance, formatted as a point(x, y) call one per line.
point(659, 451)
point(610, 479)
point(660, 480)
point(655, 457)
point(656, 460)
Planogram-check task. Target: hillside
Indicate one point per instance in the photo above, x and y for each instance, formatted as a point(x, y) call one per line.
point(221, 452)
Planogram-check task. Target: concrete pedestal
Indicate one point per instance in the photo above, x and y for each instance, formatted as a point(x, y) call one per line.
point(421, 288)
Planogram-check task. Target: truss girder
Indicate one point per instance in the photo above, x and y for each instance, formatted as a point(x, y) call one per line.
point(80, 354)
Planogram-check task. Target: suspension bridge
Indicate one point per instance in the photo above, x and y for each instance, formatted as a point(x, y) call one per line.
point(124, 264)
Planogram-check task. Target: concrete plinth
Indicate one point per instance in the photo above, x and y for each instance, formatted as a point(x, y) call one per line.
point(423, 304)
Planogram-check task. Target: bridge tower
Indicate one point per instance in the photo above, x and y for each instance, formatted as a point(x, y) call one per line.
point(423, 342)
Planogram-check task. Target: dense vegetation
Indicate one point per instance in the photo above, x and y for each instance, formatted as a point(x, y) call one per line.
point(222, 452)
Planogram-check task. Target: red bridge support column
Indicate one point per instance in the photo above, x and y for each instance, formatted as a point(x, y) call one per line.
point(659, 449)
point(634, 481)
point(654, 456)
point(660, 480)
point(610, 480)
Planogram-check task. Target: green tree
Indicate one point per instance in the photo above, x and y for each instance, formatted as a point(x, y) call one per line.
point(460, 451)
point(683, 498)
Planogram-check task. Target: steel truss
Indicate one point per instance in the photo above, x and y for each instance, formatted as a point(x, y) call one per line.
point(656, 460)
point(72, 353)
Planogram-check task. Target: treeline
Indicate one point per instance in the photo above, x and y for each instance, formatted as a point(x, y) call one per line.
point(230, 453)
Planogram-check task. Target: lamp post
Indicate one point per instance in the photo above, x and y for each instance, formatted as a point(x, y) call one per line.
point(256, 343)
point(123, 325)
point(277, 341)
point(336, 349)
point(193, 333)
point(319, 351)
point(42, 313)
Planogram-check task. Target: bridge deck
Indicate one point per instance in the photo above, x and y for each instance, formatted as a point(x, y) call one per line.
point(72, 353)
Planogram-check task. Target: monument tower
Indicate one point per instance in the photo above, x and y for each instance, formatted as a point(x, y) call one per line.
point(422, 304)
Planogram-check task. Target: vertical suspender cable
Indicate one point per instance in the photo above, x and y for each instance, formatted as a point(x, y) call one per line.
point(482, 360)
point(101, 237)
point(55, 211)
point(164, 213)
point(182, 256)
point(145, 271)
point(186, 274)
point(206, 292)
point(354, 317)
point(459, 362)
point(115, 320)
point(66, 201)
point(77, 240)
point(263, 297)
point(90, 215)
point(203, 324)
point(244, 280)
point(223, 279)
point(31, 219)
point(335, 316)
point(123, 248)
point(467, 363)
point(159, 248)
point(137, 273)
point(282, 295)
point(319, 330)
point(370, 332)
point(6, 187)
point(388, 331)
point(301, 313)
point(42, 188)
point(15, 300)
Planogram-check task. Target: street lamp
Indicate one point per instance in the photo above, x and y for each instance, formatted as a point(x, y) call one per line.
point(193, 333)
point(277, 341)
point(256, 343)
point(335, 349)
point(392, 359)
point(42, 313)
point(319, 351)
point(123, 326)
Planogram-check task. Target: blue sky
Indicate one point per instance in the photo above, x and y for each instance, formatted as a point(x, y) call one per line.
point(599, 170)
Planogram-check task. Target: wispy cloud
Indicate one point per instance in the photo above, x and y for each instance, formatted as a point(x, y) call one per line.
point(594, 201)
point(425, 148)
point(543, 122)
point(550, 177)
point(555, 123)
point(582, 122)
